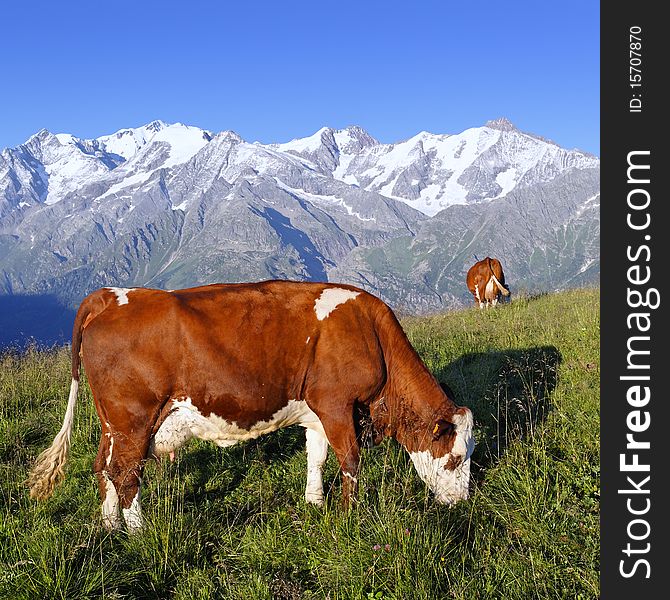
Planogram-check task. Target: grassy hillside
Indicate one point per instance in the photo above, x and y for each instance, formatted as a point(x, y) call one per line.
point(232, 523)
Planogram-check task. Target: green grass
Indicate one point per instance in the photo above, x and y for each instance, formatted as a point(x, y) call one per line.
point(232, 523)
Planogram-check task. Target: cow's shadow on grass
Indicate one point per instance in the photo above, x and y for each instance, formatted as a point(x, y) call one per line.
point(509, 392)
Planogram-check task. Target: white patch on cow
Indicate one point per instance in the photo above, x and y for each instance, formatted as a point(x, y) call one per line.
point(186, 422)
point(317, 451)
point(308, 338)
point(330, 299)
point(464, 444)
point(111, 448)
point(110, 506)
point(449, 486)
point(479, 300)
point(491, 291)
point(133, 514)
point(121, 294)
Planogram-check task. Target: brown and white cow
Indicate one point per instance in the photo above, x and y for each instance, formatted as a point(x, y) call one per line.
point(231, 362)
point(486, 282)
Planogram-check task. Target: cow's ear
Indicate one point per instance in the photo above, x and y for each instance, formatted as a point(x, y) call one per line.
point(441, 427)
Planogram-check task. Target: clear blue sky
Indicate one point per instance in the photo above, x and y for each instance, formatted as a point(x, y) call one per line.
point(272, 71)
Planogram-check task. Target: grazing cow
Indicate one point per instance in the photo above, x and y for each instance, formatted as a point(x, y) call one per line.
point(231, 362)
point(486, 282)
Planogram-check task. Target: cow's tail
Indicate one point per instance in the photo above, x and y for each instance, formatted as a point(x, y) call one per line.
point(501, 287)
point(503, 290)
point(48, 470)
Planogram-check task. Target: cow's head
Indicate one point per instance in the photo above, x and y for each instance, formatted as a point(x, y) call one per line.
point(442, 456)
point(440, 446)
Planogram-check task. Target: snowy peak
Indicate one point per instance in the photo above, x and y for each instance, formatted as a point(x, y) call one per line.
point(128, 142)
point(47, 167)
point(306, 145)
point(347, 140)
point(41, 145)
point(181, 142)
point(330, 149)
point(502, 123)
point(164, 147)
point(228, 135)
point(353, 139)
point(155, 126)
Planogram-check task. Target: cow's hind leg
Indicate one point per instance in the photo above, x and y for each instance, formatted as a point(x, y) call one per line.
point(479, 294)
point(317, 451)
point(122, 475)
point(111, 518)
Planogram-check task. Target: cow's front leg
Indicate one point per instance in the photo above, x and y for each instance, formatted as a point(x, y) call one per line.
point(342, 437)
point(317, 451)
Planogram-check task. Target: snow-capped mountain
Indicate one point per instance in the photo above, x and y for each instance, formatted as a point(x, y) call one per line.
point(431, 172)
point(171, 205)
point(127, 142)
point(48, 167)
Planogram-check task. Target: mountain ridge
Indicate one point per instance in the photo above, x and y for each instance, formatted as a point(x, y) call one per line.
point(172, 205)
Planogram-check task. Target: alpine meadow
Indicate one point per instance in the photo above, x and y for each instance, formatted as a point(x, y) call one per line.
point(233, 523)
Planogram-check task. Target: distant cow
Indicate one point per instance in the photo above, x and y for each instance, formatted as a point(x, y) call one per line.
point(486, 282)
point(231, 362)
